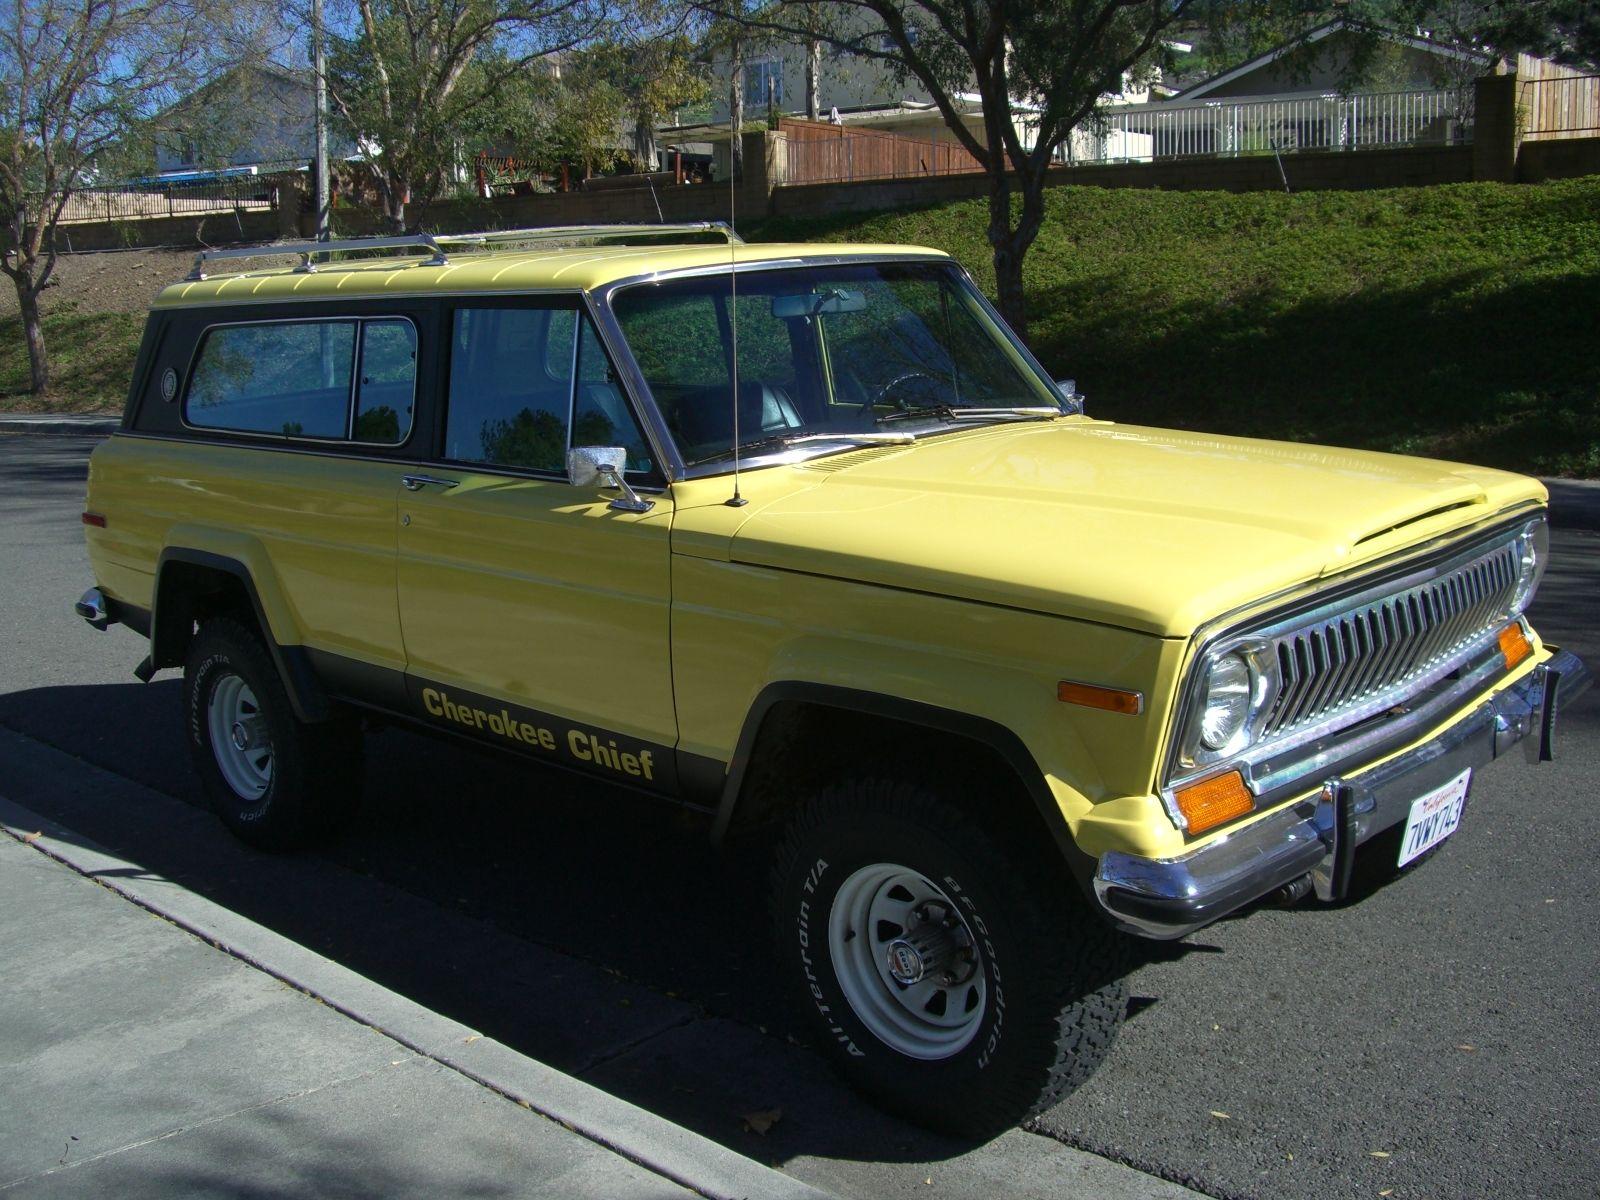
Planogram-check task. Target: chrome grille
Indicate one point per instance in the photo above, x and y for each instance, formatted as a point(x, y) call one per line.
point(1383, 644)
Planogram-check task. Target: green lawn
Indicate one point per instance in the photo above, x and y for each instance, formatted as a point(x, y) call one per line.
point(91, 359)
point(1453, 321)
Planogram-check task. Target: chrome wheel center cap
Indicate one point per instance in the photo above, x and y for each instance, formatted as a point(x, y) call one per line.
point(240, 736)
point(905, 962)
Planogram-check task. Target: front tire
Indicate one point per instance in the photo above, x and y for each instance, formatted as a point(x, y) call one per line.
point(276, 782)
point(953, 976)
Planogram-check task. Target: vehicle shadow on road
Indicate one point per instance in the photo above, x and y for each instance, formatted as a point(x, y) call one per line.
point(590, 928)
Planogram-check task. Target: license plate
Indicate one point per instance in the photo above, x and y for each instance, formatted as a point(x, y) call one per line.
point(1434, 817)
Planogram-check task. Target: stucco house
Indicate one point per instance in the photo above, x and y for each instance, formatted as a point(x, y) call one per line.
point(260, 117)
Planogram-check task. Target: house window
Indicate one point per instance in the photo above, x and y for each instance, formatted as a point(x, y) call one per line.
point(758, 76)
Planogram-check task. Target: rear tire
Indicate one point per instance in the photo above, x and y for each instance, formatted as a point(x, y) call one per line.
point(276, 782)
point(966, 1026)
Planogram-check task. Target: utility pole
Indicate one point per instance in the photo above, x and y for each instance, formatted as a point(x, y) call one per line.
point(319, 67)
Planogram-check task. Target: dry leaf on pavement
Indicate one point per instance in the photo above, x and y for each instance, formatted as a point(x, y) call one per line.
point(760, 1122)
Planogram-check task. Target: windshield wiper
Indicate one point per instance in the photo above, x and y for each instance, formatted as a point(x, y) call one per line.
point(1037, 412)
point(785, 440)
point(948, 412)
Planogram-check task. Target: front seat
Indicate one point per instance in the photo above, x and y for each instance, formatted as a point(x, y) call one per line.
point(705, 418)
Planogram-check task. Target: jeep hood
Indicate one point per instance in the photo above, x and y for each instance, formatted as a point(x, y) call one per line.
point(1154, 530)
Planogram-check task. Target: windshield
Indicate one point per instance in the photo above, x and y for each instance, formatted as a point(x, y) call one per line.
point(838, 350)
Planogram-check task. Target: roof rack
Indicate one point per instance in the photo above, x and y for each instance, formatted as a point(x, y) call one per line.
point(433, 243)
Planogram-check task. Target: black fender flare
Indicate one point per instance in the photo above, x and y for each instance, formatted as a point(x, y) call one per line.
point(981, 730)
point(169, 632)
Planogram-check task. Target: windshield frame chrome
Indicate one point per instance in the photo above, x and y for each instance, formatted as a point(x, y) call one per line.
point(674, 465)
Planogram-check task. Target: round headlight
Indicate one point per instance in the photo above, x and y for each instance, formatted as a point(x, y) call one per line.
point(1533, 551)
point(1226, 702)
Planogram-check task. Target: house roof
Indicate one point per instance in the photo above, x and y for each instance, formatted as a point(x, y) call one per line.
point(1327, 29)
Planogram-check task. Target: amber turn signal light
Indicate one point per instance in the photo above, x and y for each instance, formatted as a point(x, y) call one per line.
point(1110, 699)
point(1208, 804)
point(1514, 644)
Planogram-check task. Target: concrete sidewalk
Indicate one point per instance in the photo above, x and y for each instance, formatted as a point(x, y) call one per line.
point(139, 1059)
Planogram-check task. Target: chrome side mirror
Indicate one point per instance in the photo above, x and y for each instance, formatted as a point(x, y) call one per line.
point(1070, 393)
point(603, 466)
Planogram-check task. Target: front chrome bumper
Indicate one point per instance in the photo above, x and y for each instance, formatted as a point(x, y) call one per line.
point(1318, 836)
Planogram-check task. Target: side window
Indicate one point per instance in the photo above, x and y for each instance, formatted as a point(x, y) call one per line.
point(504, 405)
point(287, 378)
point(388, 382)
point(601, 414)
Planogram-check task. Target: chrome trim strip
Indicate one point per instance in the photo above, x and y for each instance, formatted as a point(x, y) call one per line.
point(1168, 898)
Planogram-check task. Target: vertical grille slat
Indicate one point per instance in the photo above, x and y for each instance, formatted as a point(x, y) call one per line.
point(1374, 648)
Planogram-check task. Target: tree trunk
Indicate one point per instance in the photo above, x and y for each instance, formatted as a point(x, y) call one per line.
point(644, 142)
point(814, 79)
point(1007, 255)
point(38, 363)
point(1011, 243)
point(1008, 287)
point(394, 195)
point(736, 111)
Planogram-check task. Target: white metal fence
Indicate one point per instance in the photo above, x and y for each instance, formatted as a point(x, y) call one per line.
point(1227, 128)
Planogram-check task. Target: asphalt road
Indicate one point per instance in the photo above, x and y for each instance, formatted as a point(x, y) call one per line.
point(1436, 1039)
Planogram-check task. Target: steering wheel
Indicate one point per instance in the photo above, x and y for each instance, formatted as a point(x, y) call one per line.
point(879, 396)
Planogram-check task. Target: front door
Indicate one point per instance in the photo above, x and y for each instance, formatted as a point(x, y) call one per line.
point(536, 616)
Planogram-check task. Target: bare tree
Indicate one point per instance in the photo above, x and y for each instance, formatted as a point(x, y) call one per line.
point(1039, 67)
point(80, 84)
point(416, 78)
point(814, 78)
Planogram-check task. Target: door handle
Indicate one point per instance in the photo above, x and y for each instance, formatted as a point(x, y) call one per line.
point(415, 483)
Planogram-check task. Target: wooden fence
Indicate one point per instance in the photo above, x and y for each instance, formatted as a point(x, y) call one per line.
point(821, 152)
point(1557, 103)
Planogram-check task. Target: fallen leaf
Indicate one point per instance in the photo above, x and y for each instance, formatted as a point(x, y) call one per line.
point(1378, 1153)
point(928, 1181)
point(30, 838)
point(1387, 1192)
point(467, 1041)
point(1467, 1046)
point(760, 1122)
point(1291, 1158)
point(1221, 1116)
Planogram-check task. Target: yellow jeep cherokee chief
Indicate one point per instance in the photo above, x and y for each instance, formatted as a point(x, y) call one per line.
point(804, 537)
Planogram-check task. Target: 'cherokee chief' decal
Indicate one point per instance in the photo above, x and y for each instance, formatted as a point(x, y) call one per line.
point(645, 764)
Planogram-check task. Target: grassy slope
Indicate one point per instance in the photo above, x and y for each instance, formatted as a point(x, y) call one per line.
point(1458, 322)
point(91, 359)
point(1453, 321)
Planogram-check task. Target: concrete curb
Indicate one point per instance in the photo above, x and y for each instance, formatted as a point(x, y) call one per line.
point(72, 424)
point(635, 1133)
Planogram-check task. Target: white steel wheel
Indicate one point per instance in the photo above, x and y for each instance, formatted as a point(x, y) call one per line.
point(240, 740)
point(906, 961)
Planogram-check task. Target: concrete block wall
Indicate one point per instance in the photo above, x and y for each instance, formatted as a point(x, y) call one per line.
point(1564, 158)
point(256, 225)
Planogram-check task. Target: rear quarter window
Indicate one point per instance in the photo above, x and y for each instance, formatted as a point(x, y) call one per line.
point(298, 379)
